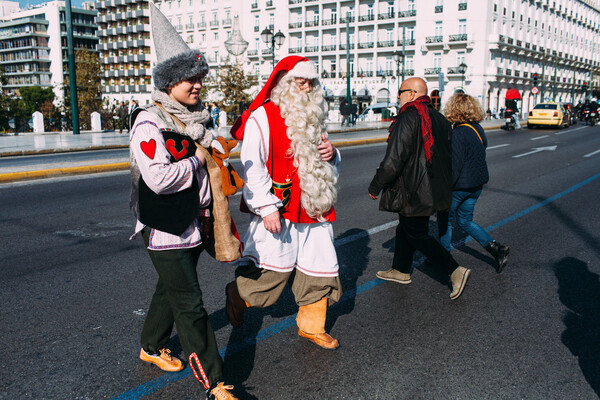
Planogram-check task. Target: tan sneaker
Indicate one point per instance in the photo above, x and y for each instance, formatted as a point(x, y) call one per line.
point(321, 339)
point(394, 275)
point(221, 392)
point(164, 361)
point(459, 279)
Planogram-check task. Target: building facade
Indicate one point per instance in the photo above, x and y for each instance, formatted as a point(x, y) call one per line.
point(30, 38)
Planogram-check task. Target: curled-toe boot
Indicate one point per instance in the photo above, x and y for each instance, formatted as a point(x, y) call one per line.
point(500, 254)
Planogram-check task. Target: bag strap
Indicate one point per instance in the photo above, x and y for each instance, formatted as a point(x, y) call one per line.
point(471, 126)
point(177, 120)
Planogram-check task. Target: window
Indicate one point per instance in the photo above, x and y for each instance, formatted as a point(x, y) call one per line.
point(409, 62)
point(369, 37)
point(437, 60)
point(333, 14)
point(256, 21)
point(462, 26)
point(411, 5)
point(370, 12)
point(438, 28)
point(272, 20)
point(460, 58)
point(256, 44)
point(389, 35)
point(216, 37)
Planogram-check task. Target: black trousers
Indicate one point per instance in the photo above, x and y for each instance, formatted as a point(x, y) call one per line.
point(412, 233)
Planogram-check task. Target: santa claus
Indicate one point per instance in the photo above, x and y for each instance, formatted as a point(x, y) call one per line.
point(291, 170)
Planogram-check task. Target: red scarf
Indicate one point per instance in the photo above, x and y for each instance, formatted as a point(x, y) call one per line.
point(421, 105)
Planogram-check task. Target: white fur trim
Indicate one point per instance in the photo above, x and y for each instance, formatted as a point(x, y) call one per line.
point(304, 69)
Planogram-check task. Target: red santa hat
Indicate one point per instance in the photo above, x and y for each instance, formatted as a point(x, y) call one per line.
point(297, 66)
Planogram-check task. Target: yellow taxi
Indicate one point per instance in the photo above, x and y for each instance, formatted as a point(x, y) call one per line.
point(548, 114)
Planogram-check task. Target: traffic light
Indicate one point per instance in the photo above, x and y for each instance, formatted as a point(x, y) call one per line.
point(584, 86)
point(535, 79)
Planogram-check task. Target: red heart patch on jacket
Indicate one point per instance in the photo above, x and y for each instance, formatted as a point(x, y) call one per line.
point(177, 155)
point(149, 148)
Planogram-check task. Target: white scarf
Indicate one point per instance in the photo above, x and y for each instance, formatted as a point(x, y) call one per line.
point(193, 118)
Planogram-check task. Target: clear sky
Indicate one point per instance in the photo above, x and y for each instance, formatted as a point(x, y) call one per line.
point(25, 3)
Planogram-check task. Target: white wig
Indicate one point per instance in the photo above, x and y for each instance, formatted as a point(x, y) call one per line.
point(304, 115)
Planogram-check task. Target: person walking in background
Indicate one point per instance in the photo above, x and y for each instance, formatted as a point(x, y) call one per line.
point(291, 171)
point(170, 193)
point(415, 177)
point(214, 112)
point(353, 113)
point(469, 174)
point(345, 111)
point(123, 114)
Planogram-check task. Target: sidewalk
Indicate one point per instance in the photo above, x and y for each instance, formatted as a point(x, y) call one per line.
point(46, 143)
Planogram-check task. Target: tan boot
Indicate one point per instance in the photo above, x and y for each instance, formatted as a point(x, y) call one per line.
point(164, 360)
point(234, 305)
point(311, 324)
point(459, 279)
point(221, 392)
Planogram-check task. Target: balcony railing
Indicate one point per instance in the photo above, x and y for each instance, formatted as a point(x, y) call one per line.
point(462, 6)
point(267, 51)
point(439, 9)
point(365, 74)
point(201, 25)
point(343, 20)
point(434, 39)
point(407, 42)
point(366, 45)
point(343, 74)
point(295, 25)
point(385, 43)
point(343, 46)
point(294, 1)
point(369, 17)
point(461, 37)
point(409, 13)
point(331, 21)
point(386, 72)
point(294, 50)
point(387, 15)
point(409, 72)
point(433, 71)
point(189, 27)
point(311, 49)
point(269, 3)
point(252, 53)
point(254, 6)
point(314, 22)
point(329, 47)
point(214, 23)
point(500, 71)
point(455, 70)
point(256, 28)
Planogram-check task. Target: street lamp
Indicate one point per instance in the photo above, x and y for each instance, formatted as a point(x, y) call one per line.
point(462, 68)
point(275, 41)
point(399, 58)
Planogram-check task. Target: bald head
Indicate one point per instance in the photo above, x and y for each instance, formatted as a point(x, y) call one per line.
point(411, 89)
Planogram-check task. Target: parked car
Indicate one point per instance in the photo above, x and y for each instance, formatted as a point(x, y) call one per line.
point(378, 108)
point(547, 114)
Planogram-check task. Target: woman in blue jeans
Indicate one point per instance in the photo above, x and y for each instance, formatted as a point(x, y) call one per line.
point(469, 174)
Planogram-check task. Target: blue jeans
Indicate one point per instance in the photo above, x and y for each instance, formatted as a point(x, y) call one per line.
point(463, 205)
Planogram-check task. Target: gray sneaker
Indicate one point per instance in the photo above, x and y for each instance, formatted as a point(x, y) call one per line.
point(394, 275)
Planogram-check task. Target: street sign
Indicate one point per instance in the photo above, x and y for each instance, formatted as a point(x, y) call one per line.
point(535, 90)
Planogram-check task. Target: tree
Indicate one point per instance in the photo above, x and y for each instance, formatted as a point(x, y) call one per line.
point(89, 95)
point(4, 104)
point(234, 84)
point(31, 100)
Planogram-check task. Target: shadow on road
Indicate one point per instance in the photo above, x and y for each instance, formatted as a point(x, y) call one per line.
point(579, 291)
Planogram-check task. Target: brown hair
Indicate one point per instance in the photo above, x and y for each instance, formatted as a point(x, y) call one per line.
point(463, 108)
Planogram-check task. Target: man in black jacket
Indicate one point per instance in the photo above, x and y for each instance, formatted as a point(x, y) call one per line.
point(416, 179)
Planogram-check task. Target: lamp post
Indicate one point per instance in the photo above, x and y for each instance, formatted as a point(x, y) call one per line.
point(275, 41)
point(399, 58)
point(462, 68)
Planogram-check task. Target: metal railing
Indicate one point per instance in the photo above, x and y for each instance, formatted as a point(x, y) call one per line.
point(461, 37)
point(433, 71)
point(434, 39)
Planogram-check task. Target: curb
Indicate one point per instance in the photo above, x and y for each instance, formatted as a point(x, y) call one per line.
point(49, 173)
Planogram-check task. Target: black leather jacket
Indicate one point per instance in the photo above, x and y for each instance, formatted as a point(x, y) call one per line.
point(409, 186)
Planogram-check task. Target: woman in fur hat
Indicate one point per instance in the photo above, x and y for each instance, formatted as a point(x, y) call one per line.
point(170, 190)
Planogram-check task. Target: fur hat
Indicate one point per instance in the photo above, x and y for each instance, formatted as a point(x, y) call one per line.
point(175, 60)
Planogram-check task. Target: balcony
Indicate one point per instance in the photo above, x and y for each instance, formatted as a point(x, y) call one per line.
point(405, 14)
point(343, 46)
point(454, 71)
point(269, 3)
point(311, 49)
point(385, 43)
point(369, 17)
point(439, 9)
point(407, 42)
point(214, 23)
point(343, 20)
point(189, 27)
point(294, 50)
point(434, 39)
point(461, 37)
point(331, 21)
point(388, 15)
point(366, 45)
point(330, 47)
point(226, 22)
point(252, 53)
point(314, 22)
point(366, 74)
point(254, 6)
point(294, 1)
point(292, 25)
point(386, 72)
point(343, 75)
point(462, 6)
point(201, 25)
point(433, 71)
point(267, 52)
point(256, 28)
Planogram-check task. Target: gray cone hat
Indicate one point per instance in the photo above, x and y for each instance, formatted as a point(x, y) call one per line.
point(175, 60)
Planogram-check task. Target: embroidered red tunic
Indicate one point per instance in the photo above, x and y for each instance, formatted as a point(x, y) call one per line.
point(280, 164)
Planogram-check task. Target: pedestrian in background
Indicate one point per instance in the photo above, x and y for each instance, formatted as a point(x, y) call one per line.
point(469, 174)
point(214, 112)
point(415, 177)
point(345, 111)
point(123, 114)
point(353, 113)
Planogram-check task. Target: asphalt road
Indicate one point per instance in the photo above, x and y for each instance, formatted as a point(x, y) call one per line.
point(74, 292)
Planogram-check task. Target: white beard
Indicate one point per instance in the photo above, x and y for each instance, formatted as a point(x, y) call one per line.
point(304, 117)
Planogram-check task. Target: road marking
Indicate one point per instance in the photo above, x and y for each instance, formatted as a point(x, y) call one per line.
point(166, 379)
point(536, 150)
point(498, 146)
point(539, 137)
point(592, 154)
point(569, 130)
